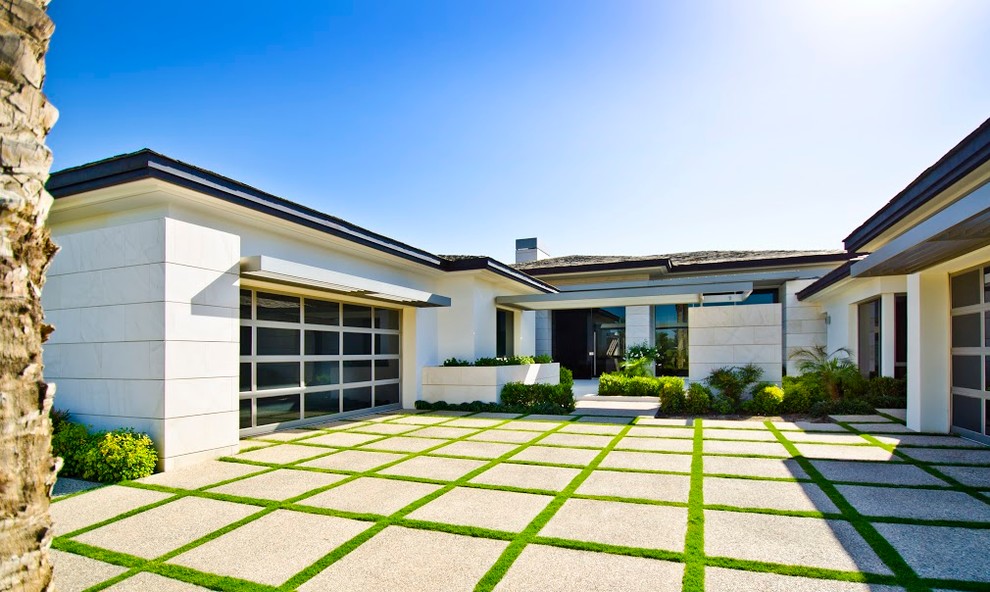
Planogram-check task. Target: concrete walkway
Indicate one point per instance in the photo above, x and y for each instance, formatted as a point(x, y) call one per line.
point(587, 402)
point(452, 501)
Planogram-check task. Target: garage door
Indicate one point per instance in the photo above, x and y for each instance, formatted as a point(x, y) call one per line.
point(971, 352)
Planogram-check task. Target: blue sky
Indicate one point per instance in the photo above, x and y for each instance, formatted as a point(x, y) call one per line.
point(602, 127)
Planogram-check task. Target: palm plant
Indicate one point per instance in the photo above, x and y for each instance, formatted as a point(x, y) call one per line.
point(832, 369)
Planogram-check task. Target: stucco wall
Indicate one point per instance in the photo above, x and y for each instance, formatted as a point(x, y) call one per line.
point(146, 333)
point(804, 323)
point(721, 336)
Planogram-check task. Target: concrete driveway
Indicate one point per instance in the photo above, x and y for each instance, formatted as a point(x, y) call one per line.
point(446, 501)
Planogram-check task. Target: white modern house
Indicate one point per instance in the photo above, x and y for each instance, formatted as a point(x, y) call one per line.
point(199, 309)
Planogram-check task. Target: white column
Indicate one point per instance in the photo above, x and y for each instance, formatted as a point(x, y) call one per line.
point(524, 332)
point(639, 326)
point(888, 335)
point(544, 335)
point(928, 352)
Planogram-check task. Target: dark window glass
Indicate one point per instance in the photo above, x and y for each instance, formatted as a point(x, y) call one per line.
point(900, 329)
point(246, 304)
point(763, 297)
point(386, 318)
point(386, 394)
point(672, 349)
point(277, 409)
point(966, 330)
point(986, 329)
point(670, 315)
point(357, 398)
point(322, 373)
point(986, 285)
point(357, 371)
point(986, 376)
point(322, 343)
point(385, 369)
point(245, 413)
point(504, 333)
point(245, 341)
point(986, 419)
point(277, 342)
point(357, 344)
point(966, 289)
point(357, 316)
point(966, 372)
point(386, 344)
point(278, 375)
point(245, 376)
point(869, 338)
point(322, 403)
point(966, 412)
point(319, 312)
point(276, 307)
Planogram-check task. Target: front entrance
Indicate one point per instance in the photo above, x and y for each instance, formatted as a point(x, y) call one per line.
point(589, 341)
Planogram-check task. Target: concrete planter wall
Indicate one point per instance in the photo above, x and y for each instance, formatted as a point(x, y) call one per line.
point(464, 384)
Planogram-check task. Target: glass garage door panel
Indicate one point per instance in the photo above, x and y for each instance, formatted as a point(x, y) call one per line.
point(305, 358)
point(967, 412)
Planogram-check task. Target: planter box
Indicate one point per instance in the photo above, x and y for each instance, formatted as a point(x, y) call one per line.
point(465, 384)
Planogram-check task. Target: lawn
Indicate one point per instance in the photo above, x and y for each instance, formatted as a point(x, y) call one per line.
point(447, 501)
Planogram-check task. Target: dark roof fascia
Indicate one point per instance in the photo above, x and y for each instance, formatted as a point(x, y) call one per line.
point(772, 262)
point(146, 164)
point(489, 264)
point(831, 278)
point(591, 267)
point(962, 159)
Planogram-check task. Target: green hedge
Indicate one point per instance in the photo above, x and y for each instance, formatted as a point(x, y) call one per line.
point(108, 457)
point(532, 396)
point(503, 361)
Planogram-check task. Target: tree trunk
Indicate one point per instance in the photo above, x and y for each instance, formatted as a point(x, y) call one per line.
point(27, 469)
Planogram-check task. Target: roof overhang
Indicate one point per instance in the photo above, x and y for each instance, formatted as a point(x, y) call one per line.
point(639, 296)
point(307, 276)
point(961, 227)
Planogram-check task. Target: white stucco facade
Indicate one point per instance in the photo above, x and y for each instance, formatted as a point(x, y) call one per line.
point(726, 336)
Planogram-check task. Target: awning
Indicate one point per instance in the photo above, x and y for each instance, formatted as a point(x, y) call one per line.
point(296, 274)
point(639, 296)
point(956, 230)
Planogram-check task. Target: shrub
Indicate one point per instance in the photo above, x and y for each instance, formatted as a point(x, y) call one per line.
point(456, 362)
point(733, 383)
point(543, 359)
point(637, 367)
point(884, 391)
point(698, 400)
point(842, 406)
point(836, 371)
point(58, 418)
point(71, 441)
point(766, 400)
point(566, 377)
point(642, 386)
point(517, 394)
point(612, 383)
point(120, 455)
point(722, 406)
point(544, 409)
point(671, 394)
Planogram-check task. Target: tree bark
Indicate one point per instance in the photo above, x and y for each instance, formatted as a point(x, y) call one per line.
point(27, 469)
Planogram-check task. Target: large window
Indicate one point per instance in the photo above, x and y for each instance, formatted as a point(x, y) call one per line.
point(970, 296)
point(304, 358)
point(671, 322)
point(504, 333)
point(869, 338)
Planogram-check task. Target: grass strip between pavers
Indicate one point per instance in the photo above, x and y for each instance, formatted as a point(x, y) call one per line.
point(498, 570)
point(694, 541)
point(954, 483)
point(903, 572)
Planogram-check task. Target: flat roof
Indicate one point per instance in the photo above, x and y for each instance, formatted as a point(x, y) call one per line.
point(148, 164)
point(962, 159)
point(681, 262)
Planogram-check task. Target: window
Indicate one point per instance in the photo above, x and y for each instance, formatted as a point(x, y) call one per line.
point(305, 358)
point(504, 333)
point(671, 326)
point(869, 338)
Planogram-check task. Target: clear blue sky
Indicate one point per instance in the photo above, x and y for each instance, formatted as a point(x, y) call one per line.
point(603, 127)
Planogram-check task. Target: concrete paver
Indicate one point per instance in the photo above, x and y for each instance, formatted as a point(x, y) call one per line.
point(656, 444)
point(357, 461)
point(921, 504)
point(98, 505)
point(373, 567)
point(618, 523)
point(273, 548)
point(753, 467)
point(559, 456)
point(812, 542)
point(647, 461)
point(528, 476)
point(652, 486)
point(145, 581)
point(474, 449)
point(875, 472)
point(368, 495)
point(940, 551)
point(773, 495)
point(434, 467)
point(201, 474)
point(551, 569)
point(278, 485)
point(159, 530)
point(719, 578)
point(483, 508)
point(75, 573)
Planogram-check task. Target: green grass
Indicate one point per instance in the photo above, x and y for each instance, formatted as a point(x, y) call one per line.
point(693, 556)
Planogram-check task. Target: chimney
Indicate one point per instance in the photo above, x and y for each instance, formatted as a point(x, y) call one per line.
point(527, 249)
